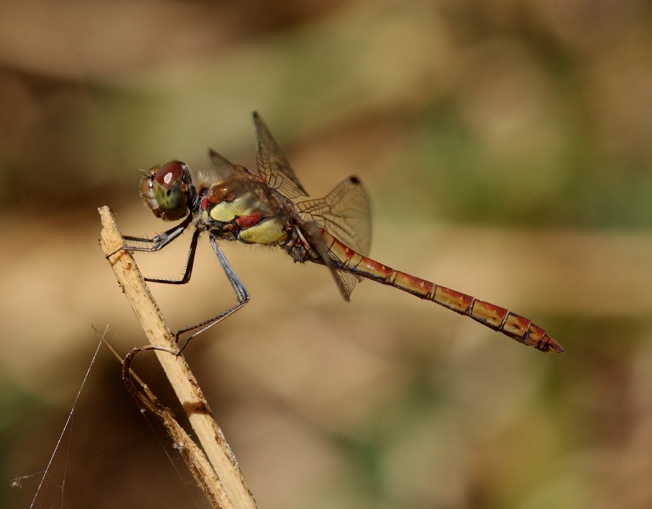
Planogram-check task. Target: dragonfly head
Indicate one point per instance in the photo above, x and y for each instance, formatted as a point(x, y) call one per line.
point(167, 190)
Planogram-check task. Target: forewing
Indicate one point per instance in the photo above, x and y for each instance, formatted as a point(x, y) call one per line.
point(272, 164)
point(221, 166)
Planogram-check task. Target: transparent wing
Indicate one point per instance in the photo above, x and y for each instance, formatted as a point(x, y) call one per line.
point(345, 212)
point(272, 164)
point(221, 166)
point(345, 281)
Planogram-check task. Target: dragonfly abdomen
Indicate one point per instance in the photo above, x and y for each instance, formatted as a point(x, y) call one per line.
point(495, 317)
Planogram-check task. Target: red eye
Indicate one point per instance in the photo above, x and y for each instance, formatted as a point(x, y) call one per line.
point(165, 190)
point(169, 174)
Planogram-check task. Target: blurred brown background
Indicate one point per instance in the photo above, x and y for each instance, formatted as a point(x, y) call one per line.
point(507, 148)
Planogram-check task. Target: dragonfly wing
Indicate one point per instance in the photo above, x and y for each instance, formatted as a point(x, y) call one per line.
point(221, 166)
point(272, 164)
point(221, 169)
point(345, 213)
point(345, 281)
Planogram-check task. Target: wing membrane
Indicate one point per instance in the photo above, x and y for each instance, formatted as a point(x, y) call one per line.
point(272, 164)
point(345, 212)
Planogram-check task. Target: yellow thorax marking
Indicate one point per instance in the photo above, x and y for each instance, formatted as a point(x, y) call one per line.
point(267, 232)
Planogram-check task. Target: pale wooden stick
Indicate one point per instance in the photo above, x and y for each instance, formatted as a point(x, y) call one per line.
point(234, 486)
point(194, 457)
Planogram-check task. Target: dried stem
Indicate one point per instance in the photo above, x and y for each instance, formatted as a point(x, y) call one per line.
point(232, 490)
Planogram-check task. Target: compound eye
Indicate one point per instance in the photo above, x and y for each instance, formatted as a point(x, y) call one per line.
point(169, 174)
point(165, 191)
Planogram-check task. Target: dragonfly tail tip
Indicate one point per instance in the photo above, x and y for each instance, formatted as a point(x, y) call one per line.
point(553, 346)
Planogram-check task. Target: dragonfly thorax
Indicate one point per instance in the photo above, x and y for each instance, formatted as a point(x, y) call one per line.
point(239, 208)
point(168, 190)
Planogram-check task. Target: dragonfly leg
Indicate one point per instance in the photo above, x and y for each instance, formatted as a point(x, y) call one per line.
point(155, 243)
point(238, 288)
point(159, 242)
point(189, 265)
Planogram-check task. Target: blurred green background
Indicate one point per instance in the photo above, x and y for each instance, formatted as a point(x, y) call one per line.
point(507, 146)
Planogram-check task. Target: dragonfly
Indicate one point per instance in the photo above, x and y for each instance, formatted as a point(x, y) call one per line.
point(266, 207)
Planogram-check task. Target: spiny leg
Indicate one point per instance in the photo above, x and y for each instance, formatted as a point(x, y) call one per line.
point(158, 242)
point(238, 288)
point(189, 265)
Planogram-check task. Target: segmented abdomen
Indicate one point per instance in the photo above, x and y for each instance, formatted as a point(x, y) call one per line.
point(495, 317)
